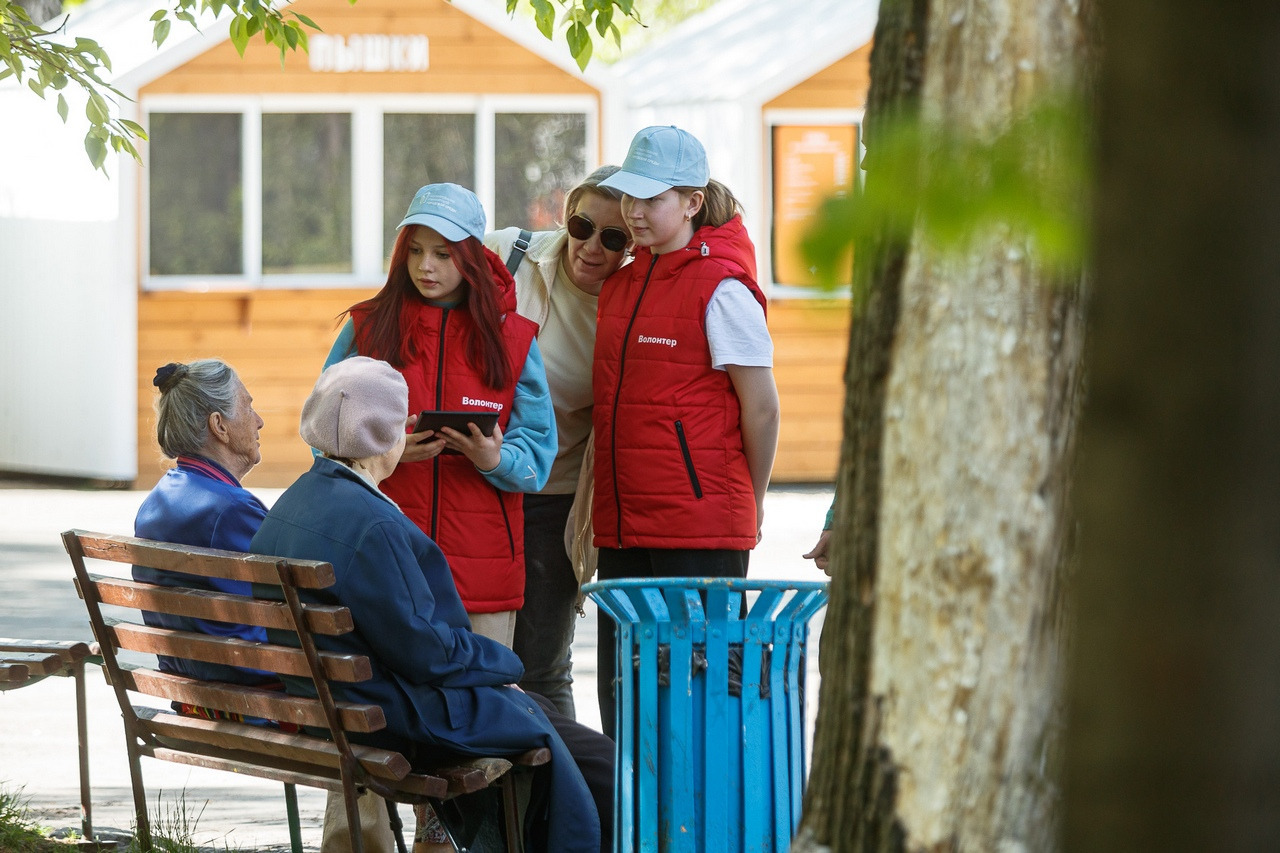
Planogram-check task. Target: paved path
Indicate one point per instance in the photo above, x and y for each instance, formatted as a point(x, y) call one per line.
point(37, 724)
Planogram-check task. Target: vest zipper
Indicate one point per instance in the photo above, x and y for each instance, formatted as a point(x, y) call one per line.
point(506, 520)
point(435, 463)
point(688, 461)
point(617, 394)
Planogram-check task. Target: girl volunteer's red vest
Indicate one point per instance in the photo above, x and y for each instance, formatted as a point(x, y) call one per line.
point(670, 471)
point(479, 527)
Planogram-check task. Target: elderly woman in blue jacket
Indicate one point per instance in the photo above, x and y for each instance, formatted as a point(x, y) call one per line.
point(441, 686)
point(205, 422)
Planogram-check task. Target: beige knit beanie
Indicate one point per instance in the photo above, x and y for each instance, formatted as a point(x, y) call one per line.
point(357, 409)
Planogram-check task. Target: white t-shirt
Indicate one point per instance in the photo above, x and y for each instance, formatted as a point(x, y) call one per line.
point(736, 329)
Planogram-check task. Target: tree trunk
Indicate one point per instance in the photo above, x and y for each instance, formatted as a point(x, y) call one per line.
point(1174, 737)
point(939, 729)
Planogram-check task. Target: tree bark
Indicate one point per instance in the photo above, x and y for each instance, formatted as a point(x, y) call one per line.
point(1174, 742)
point(940, 729)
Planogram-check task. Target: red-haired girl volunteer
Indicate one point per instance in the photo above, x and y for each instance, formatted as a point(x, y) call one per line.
point(446, 319)
point(686, 409)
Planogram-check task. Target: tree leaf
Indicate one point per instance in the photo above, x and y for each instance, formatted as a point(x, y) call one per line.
point(544, 15)
point(63, 109)
point(604, 20)
point(160, 32)
point(96, 109)
point(96, 150)
point(580, 46)
point(239, 38)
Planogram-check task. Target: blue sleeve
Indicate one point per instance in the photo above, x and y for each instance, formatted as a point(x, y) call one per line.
point(529, 443)
point(395, 610)
point(826, 525)
point(343, 347)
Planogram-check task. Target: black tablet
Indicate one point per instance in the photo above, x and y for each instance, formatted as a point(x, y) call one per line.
point(433, 420)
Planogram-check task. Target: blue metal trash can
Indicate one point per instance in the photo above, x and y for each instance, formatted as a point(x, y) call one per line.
point(710, 711)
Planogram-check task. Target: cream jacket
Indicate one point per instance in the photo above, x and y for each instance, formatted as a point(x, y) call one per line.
point(535, 279)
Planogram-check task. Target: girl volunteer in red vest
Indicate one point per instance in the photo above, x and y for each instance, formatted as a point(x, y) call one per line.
point(446, 319)
point(686, 409)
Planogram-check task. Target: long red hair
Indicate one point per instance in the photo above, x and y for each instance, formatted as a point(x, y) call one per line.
point(381, 335)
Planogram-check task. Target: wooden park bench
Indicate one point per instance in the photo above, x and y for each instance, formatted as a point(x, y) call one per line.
point(333, 763)
point(27, 662)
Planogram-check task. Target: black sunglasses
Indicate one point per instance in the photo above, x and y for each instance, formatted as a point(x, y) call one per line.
point(581, 228)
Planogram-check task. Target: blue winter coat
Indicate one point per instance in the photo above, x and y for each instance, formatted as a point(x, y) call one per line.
point(439, 684)
point(199, 503)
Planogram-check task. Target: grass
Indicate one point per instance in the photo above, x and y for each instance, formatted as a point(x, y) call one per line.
point(19, 834)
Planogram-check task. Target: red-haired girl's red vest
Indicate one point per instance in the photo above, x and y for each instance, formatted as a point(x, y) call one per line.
point(479, 528)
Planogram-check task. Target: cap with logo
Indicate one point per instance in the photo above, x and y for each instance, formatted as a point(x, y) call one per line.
point(660, 157)
point(452, 211)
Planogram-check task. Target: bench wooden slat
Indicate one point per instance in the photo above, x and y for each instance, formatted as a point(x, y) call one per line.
point(236, 652)
point(250, 701)
point(475, 775)
point(69, 650)
point(301, 748)
point(309, 574)
point(534, 757)
point(419, 787)
point(217, 606)
point(14, 673)
point(39, 664)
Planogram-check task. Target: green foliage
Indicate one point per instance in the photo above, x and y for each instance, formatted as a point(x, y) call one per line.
point(48, 63)
point(946, 188)
point(580, 19)
point(173, 827)
point(18, 833)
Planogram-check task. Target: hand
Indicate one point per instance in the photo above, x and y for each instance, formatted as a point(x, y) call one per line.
point(485, 452)
point(420, 446)
point(821, 552)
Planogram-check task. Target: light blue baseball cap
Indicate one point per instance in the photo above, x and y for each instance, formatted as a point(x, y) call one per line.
point(452, 211)
point(661, 157)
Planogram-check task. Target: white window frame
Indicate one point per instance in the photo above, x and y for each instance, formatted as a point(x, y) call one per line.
point(773, 118)
point(366, 172)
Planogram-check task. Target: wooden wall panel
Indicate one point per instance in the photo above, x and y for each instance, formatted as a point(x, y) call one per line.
point(466, 57)
point(277, 341)
point(841, 85)
point(810, 339)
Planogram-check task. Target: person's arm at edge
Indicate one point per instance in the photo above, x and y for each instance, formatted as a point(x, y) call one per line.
point(529, 444)
point(820, 553)
point(761, 414)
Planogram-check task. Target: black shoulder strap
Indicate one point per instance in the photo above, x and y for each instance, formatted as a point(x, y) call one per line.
point(518, 249)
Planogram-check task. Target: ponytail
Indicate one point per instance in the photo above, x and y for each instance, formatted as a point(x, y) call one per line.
point(718, 205)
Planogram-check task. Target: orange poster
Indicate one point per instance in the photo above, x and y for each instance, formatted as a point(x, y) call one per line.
point(810, 163)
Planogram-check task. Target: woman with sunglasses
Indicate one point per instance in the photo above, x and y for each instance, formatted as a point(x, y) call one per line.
point(558, 282)
point(686, 407)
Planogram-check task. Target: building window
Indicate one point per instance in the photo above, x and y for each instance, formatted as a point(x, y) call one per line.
point(306, 193)
point(197, 227)
point(247, 193)
point(420, 149)
point(538, 158)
